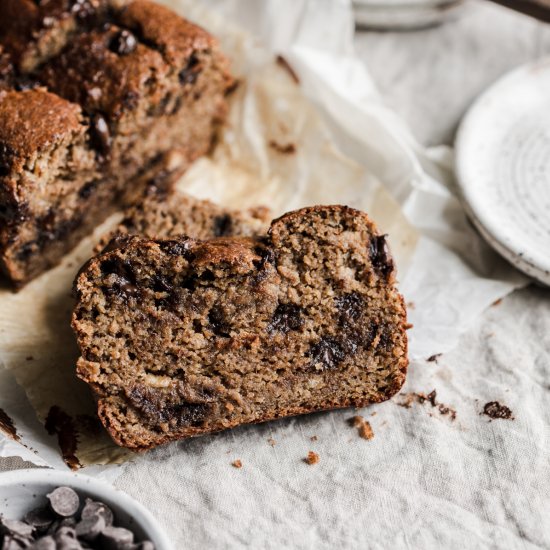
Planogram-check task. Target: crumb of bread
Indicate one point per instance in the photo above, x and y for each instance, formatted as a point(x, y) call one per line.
point(313, 438)
point(272, 442)
point(364, 429)
point(312, 458)
point(237, 464)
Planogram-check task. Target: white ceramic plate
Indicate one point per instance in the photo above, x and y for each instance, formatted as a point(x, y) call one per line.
point(23, 490)
point(503, 167)
point(404, 14)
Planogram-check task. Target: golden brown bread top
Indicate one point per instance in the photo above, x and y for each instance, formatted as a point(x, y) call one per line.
point(92, 73)
point(26, 23)
point(32, 120)
point(175, 37)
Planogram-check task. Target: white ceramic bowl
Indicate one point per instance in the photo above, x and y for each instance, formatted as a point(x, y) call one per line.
point(23, 490)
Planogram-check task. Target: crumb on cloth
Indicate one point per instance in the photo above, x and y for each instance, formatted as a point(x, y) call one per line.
point(237, 464)
point(408, 399)
point(311, 458)
point(495, 410)
point(364, 428)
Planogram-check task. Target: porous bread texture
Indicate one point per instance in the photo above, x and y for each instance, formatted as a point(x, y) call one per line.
point(176, 214)
point(180, 337)
point(148, 89)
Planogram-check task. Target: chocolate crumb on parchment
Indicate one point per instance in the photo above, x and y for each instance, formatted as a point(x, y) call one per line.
point(495, 411)
point(283, 63)
point(61, 424)
point(433, 358)
point(419, 397)
point(313, 438)
point(311, 458)
point(364, 429)
point(7, 426)
point(283, 148)
point(237, 464)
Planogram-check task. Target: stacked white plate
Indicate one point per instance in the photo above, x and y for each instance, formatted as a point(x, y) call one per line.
point(404, 14)
point(503, 167)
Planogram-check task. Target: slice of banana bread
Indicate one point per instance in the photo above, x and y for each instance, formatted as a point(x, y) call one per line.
point(180, 337)
point(141, 92)
point(177, 214)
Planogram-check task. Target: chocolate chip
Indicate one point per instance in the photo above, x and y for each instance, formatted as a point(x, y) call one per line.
point(45, 543)
point(123, 43)
point(116, 538)
point(175, 248)
point(100, 134)
point(380, 255)
point(90, 527)
point(11, 543)
point(120, 278)
point(218, 322)
point(25, 82)
point(160, 284)
point(222, 225)
point(16, 528)
point(40, 518)
point(93, 508)
point(87, 189)
point(328, 352)
point(350, 306)
point(287, 317)
point(64, 501)
point(190, 73)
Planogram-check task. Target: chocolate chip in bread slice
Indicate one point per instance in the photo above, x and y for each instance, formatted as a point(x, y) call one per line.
point(180, 337)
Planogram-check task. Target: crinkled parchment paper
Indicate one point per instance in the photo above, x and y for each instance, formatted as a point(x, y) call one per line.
point(305, 128)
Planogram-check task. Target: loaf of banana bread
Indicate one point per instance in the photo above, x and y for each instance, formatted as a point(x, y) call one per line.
point(180, 337)
point(100, 101)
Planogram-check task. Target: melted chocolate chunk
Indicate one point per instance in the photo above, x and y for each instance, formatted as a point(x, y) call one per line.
point(87, 190)
point(350, 306)
point(175, 248)
point(160, 284)
point(329, 352)
point(123, 280)
point(100, 135)
point(123, 43)
point(222, 225)
point(218, 322)
point(287, 317)
point(25, 82)
point(380, 255)
point(154, 405)
point(190, 73)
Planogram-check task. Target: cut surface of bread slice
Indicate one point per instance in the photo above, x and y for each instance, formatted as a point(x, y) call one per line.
point(175, 213)
point(180, 337)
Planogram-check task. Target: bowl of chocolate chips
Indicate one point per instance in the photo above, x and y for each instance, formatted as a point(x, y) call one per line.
point(44, 509)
